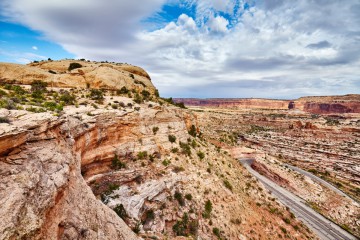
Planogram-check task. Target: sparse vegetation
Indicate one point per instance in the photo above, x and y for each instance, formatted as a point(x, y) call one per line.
point(172, 138)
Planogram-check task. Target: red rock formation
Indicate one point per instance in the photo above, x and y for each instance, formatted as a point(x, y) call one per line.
point(317, 105)
point(236, 103)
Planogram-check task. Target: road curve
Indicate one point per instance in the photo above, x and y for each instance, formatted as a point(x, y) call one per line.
point(324, 228)
point(317, 179)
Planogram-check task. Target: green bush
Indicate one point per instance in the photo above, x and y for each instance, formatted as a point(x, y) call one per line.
point(116, 163)
point(201, 155)
point(142, 155)
point(120, 211)
point(208, 209)
point(74, 66)
point(155, 130)
point(123, 90)
point(138, 99)
point(186, 227)
point(149, 216)
point(188, 196)
point(67, 98)
point(185, 148)
point(178, 196)
point(38, 86)
point(172, 138)
point(156, 93)
point(216, 232)
point(4, 120)
point(146, 94)
point(193, 131)
point(96, 94)
point(228, 185)
point(166, 163)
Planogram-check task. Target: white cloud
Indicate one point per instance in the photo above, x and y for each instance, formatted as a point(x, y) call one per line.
point(34, 48)
point(218, 24)
point(278, 49)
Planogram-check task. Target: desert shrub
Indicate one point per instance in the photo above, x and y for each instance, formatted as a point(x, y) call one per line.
point(4, 120)
point(178, 169)
point(67, 98)
point(286, 220)
point(96, 94)
point(145, 94)
point(156, 93)
point(114, 106)
point(136, 229)
point(123, 90)
point(53, 106)
point(208, 209)
point(120, 211)
point(73, 66)
point(216, 232)
point(166, 162)
point(188, 196)
point(140, 82)
point(174, 150)
point(201, 155)
point(193, 131)
point(228, 185)
point(38, 86)
point(2, 93)
point(185, 227)
point(18, 89)
point(8, 104)
point(178, 196)
point(155, 130)
point(149, 216)
point(138, 99)
point(185, 148)
point(142, 155)
point(172, 138)
point(116, 163)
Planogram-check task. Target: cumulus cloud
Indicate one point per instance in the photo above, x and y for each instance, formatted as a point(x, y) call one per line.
point(34, 48)
point(226, 48)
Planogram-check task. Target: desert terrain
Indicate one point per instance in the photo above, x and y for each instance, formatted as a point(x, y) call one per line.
point(324, 141)
point(88, 150)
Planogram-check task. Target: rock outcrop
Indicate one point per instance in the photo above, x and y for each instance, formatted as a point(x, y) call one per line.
point(89, 75)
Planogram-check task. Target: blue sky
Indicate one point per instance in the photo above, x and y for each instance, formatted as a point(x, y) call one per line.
point(198, 48)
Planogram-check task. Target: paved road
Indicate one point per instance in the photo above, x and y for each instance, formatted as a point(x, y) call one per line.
point(323, 227)
point(317, 179)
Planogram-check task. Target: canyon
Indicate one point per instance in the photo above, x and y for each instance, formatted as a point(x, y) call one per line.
point(105, 157)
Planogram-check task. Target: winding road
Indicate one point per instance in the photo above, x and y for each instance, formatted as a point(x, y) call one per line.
point(324, 228)
point(317, 179)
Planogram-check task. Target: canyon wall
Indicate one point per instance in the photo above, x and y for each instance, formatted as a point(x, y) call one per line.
point(236, 103)
point(316, 105)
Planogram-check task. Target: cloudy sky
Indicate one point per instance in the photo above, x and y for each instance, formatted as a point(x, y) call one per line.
point(199, 48)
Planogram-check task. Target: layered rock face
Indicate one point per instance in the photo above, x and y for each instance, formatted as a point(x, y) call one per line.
point(43, 195)
point(235, 103)
point(336, 104)
point(317, 105)
point(86, 75)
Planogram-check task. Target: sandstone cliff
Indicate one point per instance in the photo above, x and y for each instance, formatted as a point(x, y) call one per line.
point(317, 105)
point(89, 75)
